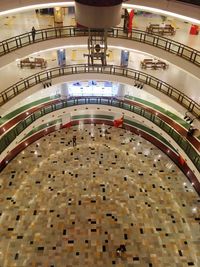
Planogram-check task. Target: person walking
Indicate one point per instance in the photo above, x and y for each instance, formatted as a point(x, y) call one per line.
point(121, 250)
point(33, 32)
point(74, 140)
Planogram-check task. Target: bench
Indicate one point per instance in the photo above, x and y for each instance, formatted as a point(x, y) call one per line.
point(153, 64)
point(32, 63)
point(164, 29)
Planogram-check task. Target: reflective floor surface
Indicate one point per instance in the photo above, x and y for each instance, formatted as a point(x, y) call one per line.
point(65, 204)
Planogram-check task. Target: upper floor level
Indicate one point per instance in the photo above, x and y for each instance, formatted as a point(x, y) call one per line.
point(181, 8)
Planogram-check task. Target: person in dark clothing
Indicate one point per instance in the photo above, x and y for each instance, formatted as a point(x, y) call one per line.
point(74, 140)
point(33, 32)
point(120, 250)
point(191, 131)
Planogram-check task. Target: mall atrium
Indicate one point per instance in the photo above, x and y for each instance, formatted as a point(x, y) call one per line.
point(99, 133)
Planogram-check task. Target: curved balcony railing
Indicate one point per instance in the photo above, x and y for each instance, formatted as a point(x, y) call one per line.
point(187, 147)
point(136, 75)
point(171, 46)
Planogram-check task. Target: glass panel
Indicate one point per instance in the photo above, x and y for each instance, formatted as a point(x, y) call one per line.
point(92, 100)
point(32, 81)
point(153, 83)
point(48, 109)
point(196, 110)
point(67, 70)
point(70, 103)
point(19, 127)
point(119, 71)
point(3, 144)
point(1, 49)
point(161, 43)
point(186, 53)
point(115, 103)
point(183, 143)
point(174, 47)
point(81, 69)
point(49, 34)
point(24, 39)
point(43, 76)
point(142, 77)
point(164, 88)
point(10, 94)
point(198, 163)
point(192, 153)
point(175, 136)
point(1, 99)
point(197, 59)
point(157, 121)
point(137, 110)
point(11, 44)
point(147, 115)
point(121, 33)
point(175, 94)
point(11, 136)
point(126, 106)
point(149, 38)
point(37, 114)
point(166, 128)
point(59, 105)
point(186, 101)
point(20, 87)
point(38, 35)
point(28, 121)
point(136, 35)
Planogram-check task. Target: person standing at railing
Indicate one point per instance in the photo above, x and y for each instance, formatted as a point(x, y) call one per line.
point(33, 32)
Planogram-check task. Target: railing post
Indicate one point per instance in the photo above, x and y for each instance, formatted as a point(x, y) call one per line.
point(180, 98)
point(169, 91)
point(4, 47)
point(16, 42)
point(180, 50)
point(5, 98)
point(191, 106)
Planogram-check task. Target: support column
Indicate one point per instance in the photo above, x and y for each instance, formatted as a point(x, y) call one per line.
point(121, 91)
point(124, 58)
point(61, 57)
point(64, 92)
point(58, 16)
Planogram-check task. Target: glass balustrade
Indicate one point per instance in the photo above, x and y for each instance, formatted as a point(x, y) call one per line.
point(142, 77)
point(11, 135)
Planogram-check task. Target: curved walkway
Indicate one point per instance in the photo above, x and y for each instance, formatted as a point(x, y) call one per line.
point(180, 129)
point(179, 135)
point(171, 46)
point(149, 80)
point(141, 40)
point(24, 115)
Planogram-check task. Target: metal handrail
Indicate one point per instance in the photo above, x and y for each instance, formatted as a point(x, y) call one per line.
point(171, 46)
point(136, 75)
point(187, 147)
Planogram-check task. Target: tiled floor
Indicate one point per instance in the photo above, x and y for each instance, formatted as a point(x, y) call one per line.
point(73, 206)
